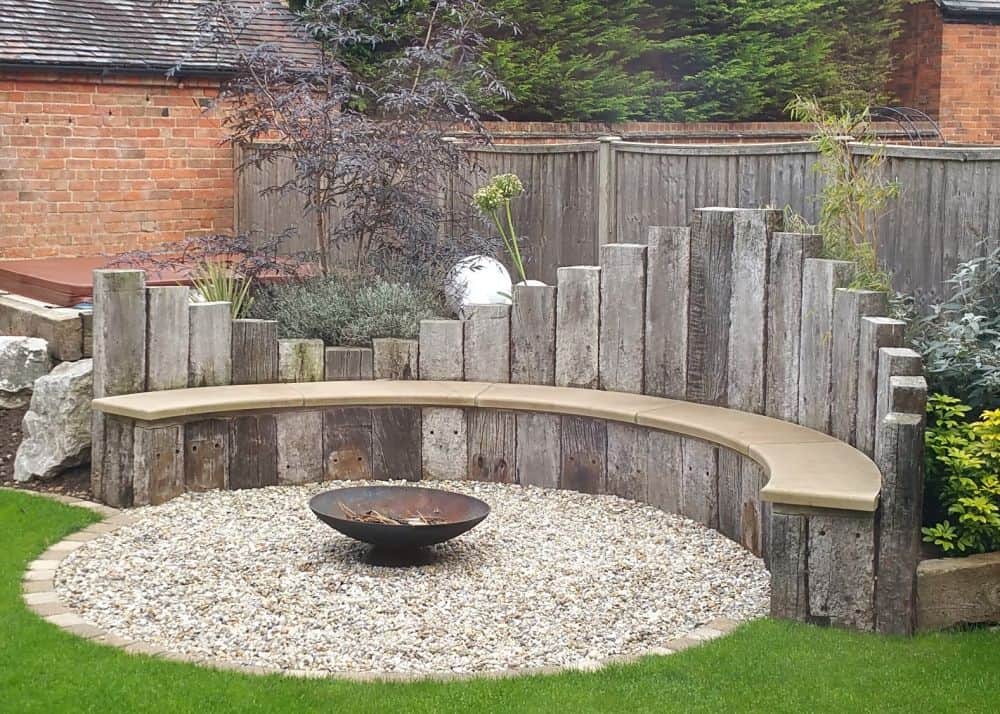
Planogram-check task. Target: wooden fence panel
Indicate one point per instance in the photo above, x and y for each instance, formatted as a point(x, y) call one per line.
point(949, 200)
point(557, 214)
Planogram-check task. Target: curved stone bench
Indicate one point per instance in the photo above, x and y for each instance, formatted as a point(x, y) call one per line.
point(803, 500)
point(804, 467)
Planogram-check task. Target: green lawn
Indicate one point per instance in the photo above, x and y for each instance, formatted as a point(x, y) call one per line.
point(767, 666)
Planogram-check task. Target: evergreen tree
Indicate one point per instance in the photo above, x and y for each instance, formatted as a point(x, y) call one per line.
point(583, 60)
point(679, 60)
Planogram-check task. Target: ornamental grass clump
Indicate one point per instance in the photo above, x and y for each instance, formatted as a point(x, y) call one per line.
point(494, 200)
point(856, 193)
point(216, 281)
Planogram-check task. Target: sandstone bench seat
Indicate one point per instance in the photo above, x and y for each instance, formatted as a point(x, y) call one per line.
point(804, 467)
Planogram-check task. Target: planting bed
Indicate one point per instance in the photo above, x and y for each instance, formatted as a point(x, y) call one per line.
point(550, 579)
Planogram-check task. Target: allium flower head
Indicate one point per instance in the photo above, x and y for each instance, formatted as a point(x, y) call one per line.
point(500, 189)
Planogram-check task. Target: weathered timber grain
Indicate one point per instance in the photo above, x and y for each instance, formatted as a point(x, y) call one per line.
point(347, 443)
point(300, 446)
point(255, 351)
point(850, 307)
point(117, 461)
point(533, 335)
point(753, 232)
point(665, 356)
point(206, 455)
point(578, 309)
point(396, 443)
point(709, 299)
point(253, 451)
point(119, 332)
point(876, 333)
point(167, 338)
point(820, 279)
point(119, 349)
point(492, 445)
point(584, 455)
point(395, 358)
point(348, 363)
point(894, 362)
point(538, 449)
point(301, 360)
point(444, 445)
point(789, 251)
point(622, 317)
point(907, 395)
point(842, 569)
point(788, 547)
point(730, 475)
point(755, 517)
point(627, 475)
point(441, 350)
point(487, 343)
point(158, 464)
point(663, 469)
point(700, 482)
point(210, 359)
point(899, 454)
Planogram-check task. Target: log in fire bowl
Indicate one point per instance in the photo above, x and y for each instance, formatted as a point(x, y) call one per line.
point(398, 517)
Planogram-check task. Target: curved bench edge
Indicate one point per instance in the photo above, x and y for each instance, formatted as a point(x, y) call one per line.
point(805, 467)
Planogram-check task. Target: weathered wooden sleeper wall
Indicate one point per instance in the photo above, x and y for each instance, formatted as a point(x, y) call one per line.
point(730, 311)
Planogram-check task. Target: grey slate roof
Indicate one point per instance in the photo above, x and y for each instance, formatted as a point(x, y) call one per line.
point(970, 8)
point(130, 34)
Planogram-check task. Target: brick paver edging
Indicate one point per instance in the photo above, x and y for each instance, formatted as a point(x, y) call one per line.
point(39, 593)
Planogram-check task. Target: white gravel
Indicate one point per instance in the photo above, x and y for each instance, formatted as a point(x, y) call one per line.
point(550, 578)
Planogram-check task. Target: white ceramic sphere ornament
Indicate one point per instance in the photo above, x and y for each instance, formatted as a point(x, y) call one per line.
point(477, 280)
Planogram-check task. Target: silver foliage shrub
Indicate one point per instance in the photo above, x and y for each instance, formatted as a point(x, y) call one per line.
point(347, 310)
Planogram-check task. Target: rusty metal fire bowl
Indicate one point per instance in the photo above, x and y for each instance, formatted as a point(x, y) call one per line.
point(398, 517)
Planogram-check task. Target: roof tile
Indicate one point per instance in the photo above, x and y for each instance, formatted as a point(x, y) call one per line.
point(133, 34)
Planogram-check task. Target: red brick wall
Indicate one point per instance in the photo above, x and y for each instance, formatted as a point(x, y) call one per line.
point(970, 83)
point(92, 166)
point(950, 68)
point(917, 80)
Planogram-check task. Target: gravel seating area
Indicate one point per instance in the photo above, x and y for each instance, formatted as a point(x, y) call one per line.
point(550, 579)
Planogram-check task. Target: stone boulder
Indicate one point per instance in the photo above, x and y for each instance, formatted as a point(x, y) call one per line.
point(57, 425)
point(22, 361)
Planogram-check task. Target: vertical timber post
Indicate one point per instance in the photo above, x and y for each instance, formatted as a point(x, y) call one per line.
point(607, 190)
point(119, 368)
point(444, 446)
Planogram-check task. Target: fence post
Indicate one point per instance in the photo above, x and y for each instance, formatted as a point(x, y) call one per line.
point(607, 199)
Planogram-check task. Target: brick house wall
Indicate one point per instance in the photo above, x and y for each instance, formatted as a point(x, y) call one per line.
point(917, 79)
point(950, 68)
point(970, 83)
point(93, 165)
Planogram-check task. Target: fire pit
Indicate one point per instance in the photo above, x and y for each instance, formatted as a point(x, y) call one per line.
point(398, 517)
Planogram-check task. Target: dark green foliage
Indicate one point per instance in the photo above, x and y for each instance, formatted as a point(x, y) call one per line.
point(692, 60)
point(346, 310)
point(581, 60)
point(747, 59)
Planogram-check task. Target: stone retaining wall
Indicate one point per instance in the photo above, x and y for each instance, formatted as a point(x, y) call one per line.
point(730, 311)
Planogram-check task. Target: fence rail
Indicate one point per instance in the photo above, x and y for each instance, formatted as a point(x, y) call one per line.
point(584, 194)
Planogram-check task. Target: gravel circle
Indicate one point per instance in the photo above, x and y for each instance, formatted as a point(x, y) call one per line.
point(549, 579)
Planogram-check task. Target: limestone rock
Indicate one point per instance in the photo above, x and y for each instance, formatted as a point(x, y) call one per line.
point(57, 425)
point(22, 361)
